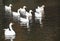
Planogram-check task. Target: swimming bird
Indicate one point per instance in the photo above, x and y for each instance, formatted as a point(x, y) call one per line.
point(39, 13)
point(29, 14)
point(8, 8)
point(23, 10)
point(9, 31)
point(16, 15)
point(24, 21)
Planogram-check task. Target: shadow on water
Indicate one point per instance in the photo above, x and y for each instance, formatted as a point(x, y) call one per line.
point(49, 30)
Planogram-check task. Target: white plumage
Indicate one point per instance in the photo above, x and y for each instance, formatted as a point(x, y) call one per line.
point(39, 13)
point(23, 10)
point(29, 14)
point(24, 21)
point(16, 15)
point(8, 8)
point(11, 31)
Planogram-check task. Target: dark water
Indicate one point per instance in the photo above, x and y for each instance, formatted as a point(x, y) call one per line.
point(48, 32)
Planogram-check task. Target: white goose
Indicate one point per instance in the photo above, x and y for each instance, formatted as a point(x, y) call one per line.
point(24, 21)
point(39, 13)
point(41, 9)
point(9, 32)
point(16, 15)
point(23, 10)
point(8, 8)
point(29, 14)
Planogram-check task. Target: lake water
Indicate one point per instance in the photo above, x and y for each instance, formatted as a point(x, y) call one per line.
point(48, 31)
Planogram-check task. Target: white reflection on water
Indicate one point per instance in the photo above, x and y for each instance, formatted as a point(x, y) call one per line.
point(9, 37)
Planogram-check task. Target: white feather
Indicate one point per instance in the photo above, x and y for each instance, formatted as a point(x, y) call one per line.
point(16, 14)
point(8, 8)
point(11, 31)
point(23, 10)
point(39, 13)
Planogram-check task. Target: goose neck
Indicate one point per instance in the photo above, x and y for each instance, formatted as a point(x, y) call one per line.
point(10, 26)
point(18, 10)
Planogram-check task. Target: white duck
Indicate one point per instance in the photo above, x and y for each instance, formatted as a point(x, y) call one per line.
point(24, 21)
point(39, 13)
point(23, 10)
point(16, 15)
point(29, 14)
point(9, 32)
point(8, 8)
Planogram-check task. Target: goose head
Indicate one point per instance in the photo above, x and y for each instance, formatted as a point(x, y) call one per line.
point(38, 7)
point(10, 5)
point(11, 23)
point(30, 11)
point(24, 7)
point(43, 6)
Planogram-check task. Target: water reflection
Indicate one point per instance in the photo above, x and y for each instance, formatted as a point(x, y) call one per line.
point(37, 34)
point(10, 37)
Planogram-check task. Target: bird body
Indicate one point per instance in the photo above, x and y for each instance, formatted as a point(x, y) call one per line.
point(23, 10)
point(24, 20)
point(16, 14)
point(39, 13)
point(29, 14)
point(8, 8)
point(9, 32)
point(40, 9)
